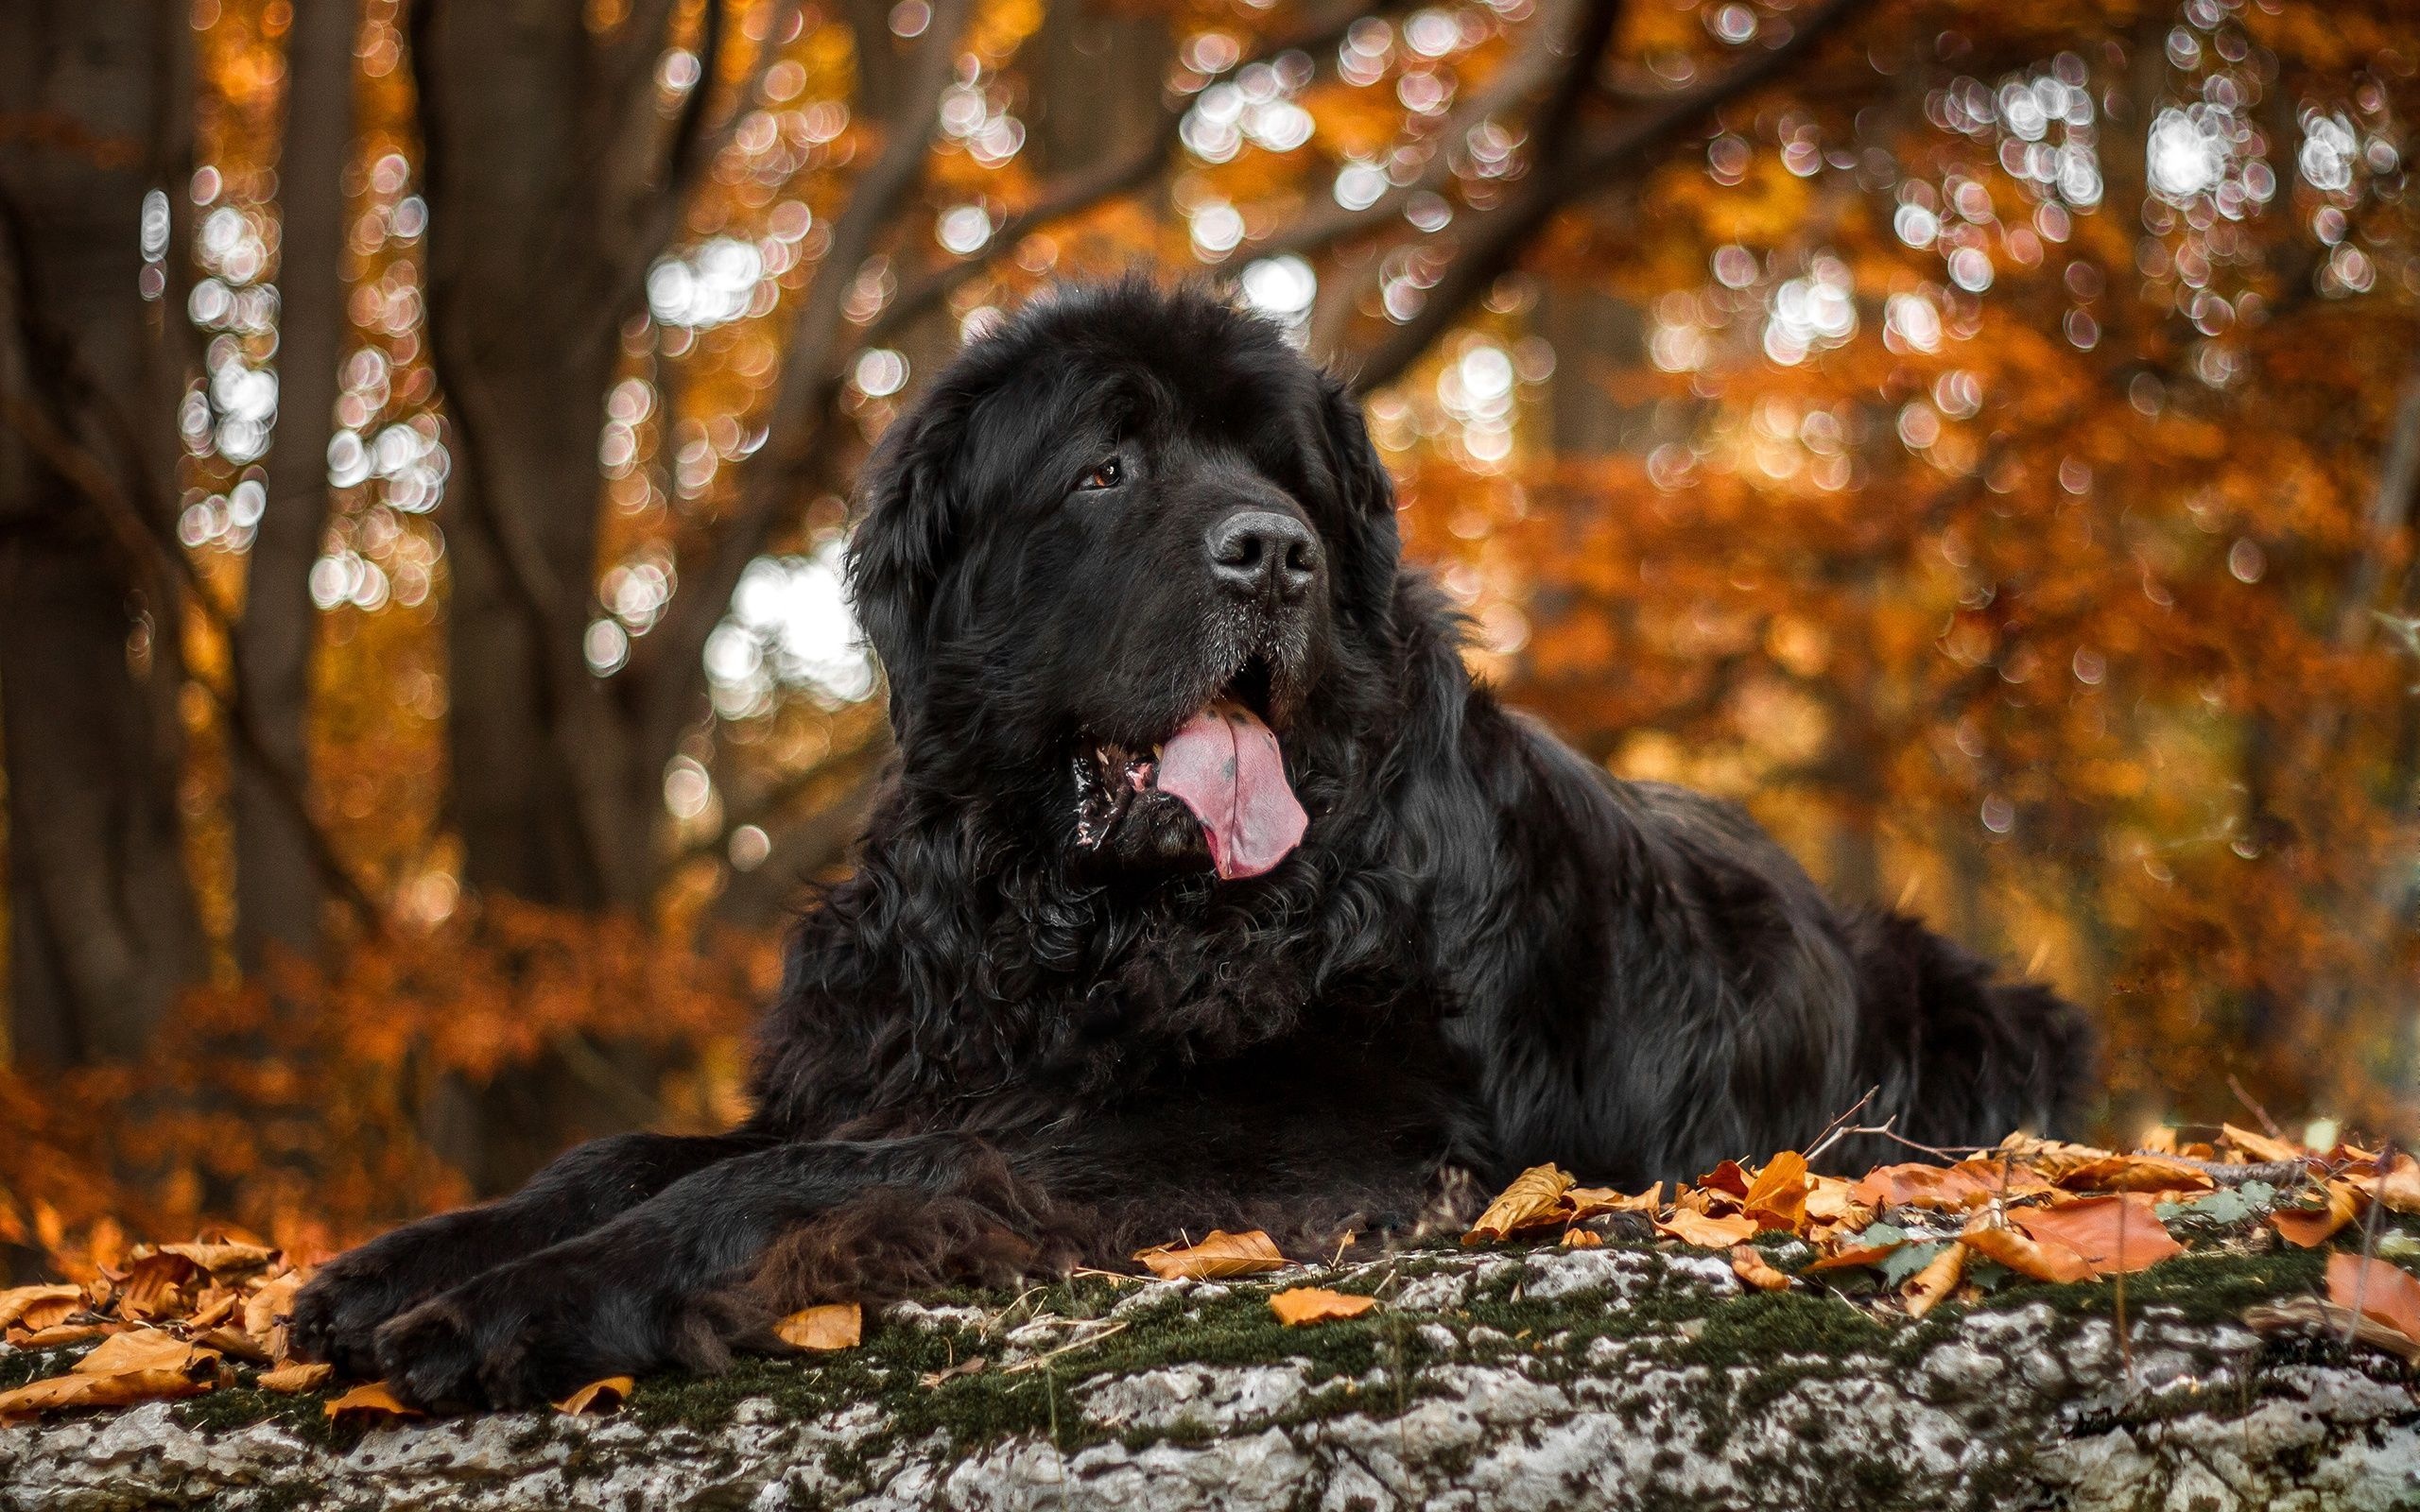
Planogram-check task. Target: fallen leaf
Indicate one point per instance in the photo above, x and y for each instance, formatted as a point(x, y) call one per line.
point(2114, 1233)
point(2399, 1190)
point(1298, 1305)
point(144, 1349)
point(973, 1365)
point(1830, 1199)
point(45, 1395)
point(2041, 1259)
point(1704, 1232)
point(1533, 1200)
point(18, 1301)
point(1727, 1178)
point(2260, 1146)
point(2376, 1290)
point(2137, 1173)
point(2160, 1141)
point(1220, 1254)
point(59, 1334)
point(1967, 1184)
point(2053, 1158)
point(234, 1342)
point(274, 1300)
point(1583, 1238)
point(373, 1405)
point(1926, 1289)
point(1777, 1198)
point(157, 1285)
point(232, 1258)
point(297, 1377)
point(212, 1307)
point(1858, 1255)
point(1589, 1202)
point(2312, 1226)
point(598, 1395)
point(1755, 1270)
point(833, 1326)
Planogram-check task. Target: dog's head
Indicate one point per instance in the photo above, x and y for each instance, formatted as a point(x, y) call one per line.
point(1117, 561)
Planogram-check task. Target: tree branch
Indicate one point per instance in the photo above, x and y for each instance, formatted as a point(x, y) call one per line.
point(1498, 237)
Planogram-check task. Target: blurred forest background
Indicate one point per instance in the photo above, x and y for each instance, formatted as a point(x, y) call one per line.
point(1982, 437)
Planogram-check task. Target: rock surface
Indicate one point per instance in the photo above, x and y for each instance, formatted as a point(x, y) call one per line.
point(1613, 1378)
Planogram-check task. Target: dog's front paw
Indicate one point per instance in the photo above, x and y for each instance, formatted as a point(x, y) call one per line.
point(534, 1330)
point(336, 1314)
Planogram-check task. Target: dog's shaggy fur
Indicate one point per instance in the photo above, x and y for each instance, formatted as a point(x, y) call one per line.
point(1036, 1028)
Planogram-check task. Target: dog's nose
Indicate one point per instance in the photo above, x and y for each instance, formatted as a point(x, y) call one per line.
point(1257, 552)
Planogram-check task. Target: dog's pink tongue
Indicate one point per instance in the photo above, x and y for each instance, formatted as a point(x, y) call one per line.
point(1226, 766)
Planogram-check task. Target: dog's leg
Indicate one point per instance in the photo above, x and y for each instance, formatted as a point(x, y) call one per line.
point(337, 1312)
point(652, 1287)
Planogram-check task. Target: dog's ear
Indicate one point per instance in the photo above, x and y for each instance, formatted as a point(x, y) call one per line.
point(1368, 496)
point(906, 529)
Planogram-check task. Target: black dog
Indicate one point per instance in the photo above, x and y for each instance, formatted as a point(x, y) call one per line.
point(1210, 891)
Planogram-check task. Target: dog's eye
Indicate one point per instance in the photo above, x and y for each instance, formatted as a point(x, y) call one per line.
point(1108, 476)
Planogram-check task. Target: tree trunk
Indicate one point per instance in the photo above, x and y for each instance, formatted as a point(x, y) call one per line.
point(103, 929)
point(277, 879)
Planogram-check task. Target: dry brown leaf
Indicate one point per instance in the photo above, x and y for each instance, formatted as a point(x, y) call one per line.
point(59, 1334)
point(145, 1349)
point(1582, 1239)
point(599, 1396)
point(373, 1405)
point(1299, 1305)
point(235, 1342)
point(1777, 1198)
point(273, 1300)
point(2399, 1191)
point(1967, 1184)
point(158, 1285)
point(45, 1396)
point(2053, 1158)
point(232, 1258)
point(1535, 1200)
point(1755, 1270)
point(1856, 1255)
point(2376, 1290)
point(17, 1302)
point(1729, 1178)
point(2137, 1173)
point(1589, 1202)
point(2312, 1226)
point(1927, 1287)
point(1220, 1254)
point(2115, 1234)
point(2160, 1141)
point(297, 1377)
point(833, 1326)
point(1831, 1200)
point(2043, 1259)
point(2261, 1146)
point(216, 1305)
point(1706, 1231)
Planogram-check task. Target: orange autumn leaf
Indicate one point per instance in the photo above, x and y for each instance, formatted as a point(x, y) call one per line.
point(2312, 1226)
point(225, 1257)
point(2399, 1188)
point(2114, 1233)
point(1967, 1184)
point(598, 1395)
point(833, 1326)
point(157, 1285)
point(38, 1307)
point(1706, 1231)
point(2261, 1147)
point(1753, 1268)
point(1926, 1288)
point(297, 1377)
point(1858, 1255)
point(46, 1394)
point(2041, 1259)
point(1535, 1200)
point(2137, 1173)
point(1727, 1178)
point(1299, 1305)
point(2377, 1290)
point(1582, 1239)
point(2051, 1158)
point(371, 1405)
point(1220, 1254)
point(1777, 1198)
point(144, 1349)
point(1589, 1202)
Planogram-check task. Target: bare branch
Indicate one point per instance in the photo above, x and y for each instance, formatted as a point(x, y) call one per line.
point(1496, 237)
point(810, 375)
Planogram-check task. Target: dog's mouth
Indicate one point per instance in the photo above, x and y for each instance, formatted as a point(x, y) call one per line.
point(1224, 764)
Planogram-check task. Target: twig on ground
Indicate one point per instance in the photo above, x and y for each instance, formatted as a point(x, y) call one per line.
point(1835, 1130)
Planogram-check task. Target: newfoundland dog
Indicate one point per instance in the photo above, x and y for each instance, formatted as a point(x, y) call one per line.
point(1210, 891)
